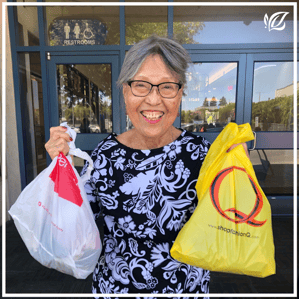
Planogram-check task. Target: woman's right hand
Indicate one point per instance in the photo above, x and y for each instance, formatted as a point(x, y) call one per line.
point(58, 142)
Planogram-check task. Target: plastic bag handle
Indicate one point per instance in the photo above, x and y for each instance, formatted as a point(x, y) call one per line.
point(77, 152)
point(83, 155)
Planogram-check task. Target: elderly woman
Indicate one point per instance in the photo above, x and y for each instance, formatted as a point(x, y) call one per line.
point(144, 179)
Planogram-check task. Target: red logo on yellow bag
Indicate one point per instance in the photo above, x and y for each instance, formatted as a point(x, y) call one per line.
point(240, 217)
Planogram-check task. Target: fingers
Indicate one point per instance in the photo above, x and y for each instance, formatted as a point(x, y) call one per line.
point(246, 149)
point(232, 147)
point(59, 132)
point(244, 146)
point(58, 142)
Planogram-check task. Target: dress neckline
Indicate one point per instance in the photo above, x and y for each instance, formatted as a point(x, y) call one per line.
point(146, 151)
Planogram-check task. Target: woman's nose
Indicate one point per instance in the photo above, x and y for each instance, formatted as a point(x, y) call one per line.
point(154, 97)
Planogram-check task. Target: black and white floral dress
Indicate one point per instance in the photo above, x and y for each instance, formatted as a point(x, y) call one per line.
point(145, 197)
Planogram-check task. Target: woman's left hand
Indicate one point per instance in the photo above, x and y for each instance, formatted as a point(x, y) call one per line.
point(245, 148)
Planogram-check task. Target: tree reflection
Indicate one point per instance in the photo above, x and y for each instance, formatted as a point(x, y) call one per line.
point(273, 115)
point(184, 32)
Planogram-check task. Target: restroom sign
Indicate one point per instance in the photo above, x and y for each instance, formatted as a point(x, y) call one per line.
point(73, 32)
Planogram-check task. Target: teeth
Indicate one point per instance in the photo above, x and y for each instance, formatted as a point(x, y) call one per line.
point(152, 115)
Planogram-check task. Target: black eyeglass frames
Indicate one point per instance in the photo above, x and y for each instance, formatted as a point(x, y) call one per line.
point(167, 90)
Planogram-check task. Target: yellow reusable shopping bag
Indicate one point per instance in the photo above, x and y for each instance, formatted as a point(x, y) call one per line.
point(230, 230)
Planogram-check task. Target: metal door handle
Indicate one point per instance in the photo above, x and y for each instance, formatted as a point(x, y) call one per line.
point(254, 142)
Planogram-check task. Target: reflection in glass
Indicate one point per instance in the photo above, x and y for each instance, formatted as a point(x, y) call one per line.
point(274, 170)
point(232, 24)
point(142, 22)
point(84, 95)
point(84, 25)
point(33, 129)
point(209, 103)
point(27, 26)
point(272, 103)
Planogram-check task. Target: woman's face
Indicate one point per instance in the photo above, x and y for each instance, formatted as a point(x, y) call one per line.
point(153, 115)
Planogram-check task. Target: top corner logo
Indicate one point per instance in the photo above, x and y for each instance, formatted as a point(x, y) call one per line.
point(276, 17)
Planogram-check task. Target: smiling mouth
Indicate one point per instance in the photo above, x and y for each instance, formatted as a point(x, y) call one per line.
point(152, 115)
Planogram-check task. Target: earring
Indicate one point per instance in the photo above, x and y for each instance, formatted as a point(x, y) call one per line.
point(178, 114)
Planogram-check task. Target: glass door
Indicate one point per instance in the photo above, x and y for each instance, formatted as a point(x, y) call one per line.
point(269, 107)
point(248, 88)
point(83, 94)
point(215, 93)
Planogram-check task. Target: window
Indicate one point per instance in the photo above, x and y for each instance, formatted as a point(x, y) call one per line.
point(84, 97)
point(210, 97)
point(28, 34)
point(272, 102)
point(142, 22)
point(231, 24)
point(30, 85)
point(274, 170)
point(272, 117)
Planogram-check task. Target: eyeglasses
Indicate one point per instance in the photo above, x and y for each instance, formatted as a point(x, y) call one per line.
point(167, 90)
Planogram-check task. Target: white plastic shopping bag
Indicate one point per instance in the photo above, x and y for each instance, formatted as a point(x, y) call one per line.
point(55, 220)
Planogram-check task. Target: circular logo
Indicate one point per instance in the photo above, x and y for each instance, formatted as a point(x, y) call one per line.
point(240, 217)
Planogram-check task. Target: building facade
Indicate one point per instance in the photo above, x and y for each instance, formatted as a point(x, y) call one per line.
point(66, 59)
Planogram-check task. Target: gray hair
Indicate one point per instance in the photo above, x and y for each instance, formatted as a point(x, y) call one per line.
point(173, 54)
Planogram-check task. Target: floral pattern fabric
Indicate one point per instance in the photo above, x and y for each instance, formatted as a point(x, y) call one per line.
point(145, 197)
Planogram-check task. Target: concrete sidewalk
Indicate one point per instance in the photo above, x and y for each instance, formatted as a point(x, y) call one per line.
point(26, 275)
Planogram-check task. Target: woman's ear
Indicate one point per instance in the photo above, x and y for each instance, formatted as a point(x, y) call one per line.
point(125, 90)
point(181, 93)
point(182, 90)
